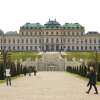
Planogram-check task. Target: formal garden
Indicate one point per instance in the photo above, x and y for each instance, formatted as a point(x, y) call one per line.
point(88, 59)
point(11, 57)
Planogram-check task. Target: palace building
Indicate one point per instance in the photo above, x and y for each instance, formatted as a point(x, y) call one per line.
point(52, 36)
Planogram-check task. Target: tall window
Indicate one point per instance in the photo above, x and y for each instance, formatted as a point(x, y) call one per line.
point(31, 40)
point(14, 41)
point(35, 40)
point(26, 40)
point(95, 41)
point(90, 41)
point(72, 47)
point(39, 40)
point(72, 40)
point(57, 41)
point(68, 40)
point(85, 40)
point(4, 40)
point(52, 40)
point(77, 47)
point(47, 40)
point(18, 41)
point(22, 40)
point(9, 41)
point(85, 47)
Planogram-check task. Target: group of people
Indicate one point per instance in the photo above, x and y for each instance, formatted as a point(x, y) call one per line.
point(91, 75)
point(25, 71)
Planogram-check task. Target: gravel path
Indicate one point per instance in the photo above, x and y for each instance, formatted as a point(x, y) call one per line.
point(47, 86)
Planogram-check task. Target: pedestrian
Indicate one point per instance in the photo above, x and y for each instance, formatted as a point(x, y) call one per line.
point(30, 70)
point(8, 76)
point(35, 71)
point(92, 80)
point(24, 71)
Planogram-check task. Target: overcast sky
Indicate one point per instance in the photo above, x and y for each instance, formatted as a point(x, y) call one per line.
point(14, 13)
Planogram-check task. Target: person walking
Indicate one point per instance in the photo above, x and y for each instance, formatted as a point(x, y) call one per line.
point(35, 71)
point(92, 80)
point(8, 76)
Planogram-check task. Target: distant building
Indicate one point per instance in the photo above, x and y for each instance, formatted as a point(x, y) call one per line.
point(51, 36)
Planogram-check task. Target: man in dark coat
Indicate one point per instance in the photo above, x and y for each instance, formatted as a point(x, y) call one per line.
point(92, 80)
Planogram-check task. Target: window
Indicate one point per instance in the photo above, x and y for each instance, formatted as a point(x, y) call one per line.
point(9, 41)
point(81, 41)
point(85, 47)
point(77, 33)
point(72, 47)
point(68, 40)
point(57, 41)
point(22, 48)
point(85, 40)
point(26, 33)
point(13, 40)
point(35, 40)
point(13, 47)
point(35, 33)
point(26, 40)
point(68, 33)
point(46, 33)
point(52, 40)
point(39, 33)
point(9, 48)
point(18, 47)
point(90, 41)
point(68, 47)
point(31, 33)
point(90, 48)
point(31, 41)
point(51, 33)
point(18, 41)
point(94, 47)
point(39, 40)
point(72, 40)
point(30, 47)
point(56, 33)
point(81, 47)
point(77, 48)
point(47, 40)
point(35, 47)
point(4, 40)
point(22, 33)
point(94, 41)
point(72, 33)
point(22, 41)
point(77, 41)
point(26, 47)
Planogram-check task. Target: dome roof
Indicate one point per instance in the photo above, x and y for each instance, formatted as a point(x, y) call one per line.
point(1, 32)
point(31, 26)
point(52, 24)
point(72, 26)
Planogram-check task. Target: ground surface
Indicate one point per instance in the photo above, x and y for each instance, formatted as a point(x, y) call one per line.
point(47, 86)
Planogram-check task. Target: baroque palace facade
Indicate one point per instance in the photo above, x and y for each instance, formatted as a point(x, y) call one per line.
point(51, 36)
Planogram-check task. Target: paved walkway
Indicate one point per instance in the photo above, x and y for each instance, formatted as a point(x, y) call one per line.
point(47, 86)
